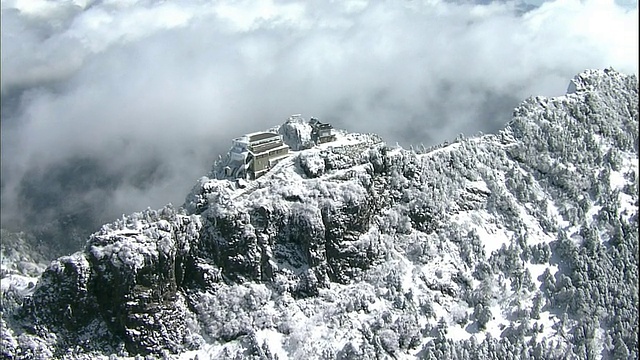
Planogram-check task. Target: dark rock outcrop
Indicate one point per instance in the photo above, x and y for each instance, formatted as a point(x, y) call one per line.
point(138, 271)
point(128, 280)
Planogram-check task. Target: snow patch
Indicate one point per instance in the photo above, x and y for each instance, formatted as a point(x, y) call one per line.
point(480, 185)
point(498, 323)
point(548, 320)
point(628, 205)
point(455, 332)
point(23, 285)
point(617, 180)
point(491, 235)
point(554, 213)
point(274, 341)
point(536, 270)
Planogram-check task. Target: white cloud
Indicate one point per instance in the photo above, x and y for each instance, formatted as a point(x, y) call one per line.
point(133, 82)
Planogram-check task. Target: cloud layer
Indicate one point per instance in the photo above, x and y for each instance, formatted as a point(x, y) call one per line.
point(147, 93)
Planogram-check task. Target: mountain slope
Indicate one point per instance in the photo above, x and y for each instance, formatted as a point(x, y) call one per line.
point(521, 244)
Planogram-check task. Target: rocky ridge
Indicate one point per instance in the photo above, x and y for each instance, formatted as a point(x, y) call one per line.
point(355, 249)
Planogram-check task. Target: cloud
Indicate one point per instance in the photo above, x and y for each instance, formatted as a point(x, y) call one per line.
point(150, 92)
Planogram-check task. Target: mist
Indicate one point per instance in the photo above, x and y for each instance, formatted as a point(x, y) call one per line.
point(113, 106)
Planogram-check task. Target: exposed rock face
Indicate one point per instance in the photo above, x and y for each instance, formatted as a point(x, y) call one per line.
point(62, 311)
point(65, 296)
point(312, 163)
point(377, 249)
point(346, 252)
point(138, 271)
point(296, 133)
point(300, 226)
point(132, 276)
point(127, 280)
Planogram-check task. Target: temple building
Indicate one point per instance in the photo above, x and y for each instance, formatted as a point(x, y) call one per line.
point(254, 154)
point(321, 132)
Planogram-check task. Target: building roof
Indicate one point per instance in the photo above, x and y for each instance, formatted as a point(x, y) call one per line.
point(260, 136)
point(266, 148)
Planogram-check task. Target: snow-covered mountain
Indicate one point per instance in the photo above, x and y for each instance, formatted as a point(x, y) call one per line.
point(520, 244)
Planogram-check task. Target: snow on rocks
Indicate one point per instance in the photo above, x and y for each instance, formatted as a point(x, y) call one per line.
point(349, 249)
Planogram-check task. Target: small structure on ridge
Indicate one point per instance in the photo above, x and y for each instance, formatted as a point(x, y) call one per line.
point(321, 132)
point(252, 155)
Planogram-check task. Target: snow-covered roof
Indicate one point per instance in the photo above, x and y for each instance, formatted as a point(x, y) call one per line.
point(257, 136)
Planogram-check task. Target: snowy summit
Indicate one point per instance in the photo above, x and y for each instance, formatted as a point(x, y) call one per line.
point(307, 242)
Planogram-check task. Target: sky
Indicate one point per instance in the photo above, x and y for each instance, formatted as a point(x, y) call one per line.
point(113, 106)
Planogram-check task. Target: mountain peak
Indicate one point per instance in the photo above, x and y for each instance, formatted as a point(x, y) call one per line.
point(593, 79)
point(490, 246)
